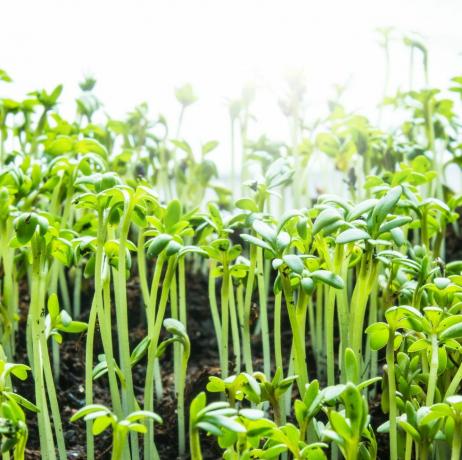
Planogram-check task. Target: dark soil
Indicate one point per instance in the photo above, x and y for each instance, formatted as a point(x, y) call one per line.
point(454, 239)
point(203, 363)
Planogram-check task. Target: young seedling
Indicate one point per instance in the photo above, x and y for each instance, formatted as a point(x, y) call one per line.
point(179, 334)
point(212, 418)
point(102, 418)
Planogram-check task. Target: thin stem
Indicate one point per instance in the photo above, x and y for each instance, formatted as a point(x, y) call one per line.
point(194, 443)
point(246, 340)
point(76, 295)
point(456, 440)
point(37, 329)
point(214, 306)
point(182, 291)
point(224, 320)
point(150, 451)
point(298, 339)
point(455, 382)
point(390, 357)
point(120, 291)
point(234, 329)
point(277, 330)
point(433, 376)
point(263, 313)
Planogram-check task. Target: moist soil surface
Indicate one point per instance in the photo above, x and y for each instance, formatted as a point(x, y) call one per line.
point(203, 363)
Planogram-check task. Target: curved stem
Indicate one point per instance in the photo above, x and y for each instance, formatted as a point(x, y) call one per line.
point(455, 382)
point(214, 306)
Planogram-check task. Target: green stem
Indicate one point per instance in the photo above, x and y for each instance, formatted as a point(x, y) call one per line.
point(370, 353)
point(456, 440)
point(55, 412)
point(77, 288)
point(298, 339)
point(246, 339)
point(120, 291)
point(433, 376)
point(408, 449)
point(224, 320)
point(195, 443)
point(182, 290)
point(150, 451)
point(96, 305)
point(367, 275)
point(455, 382)
point(214, 306)
point(186, 351)
point(118, 444)
point(150, 315)
point(141, 261)
point(37, 332)
point(390, 357)
point(277, 330)
point(320, 356)
point(234, 329)
point(263, 313)
point(105, 321)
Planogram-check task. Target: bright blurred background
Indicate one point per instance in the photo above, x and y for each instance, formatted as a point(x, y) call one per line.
point(141, 50)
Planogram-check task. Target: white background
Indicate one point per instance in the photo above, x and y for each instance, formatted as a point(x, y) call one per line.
point(141, 50)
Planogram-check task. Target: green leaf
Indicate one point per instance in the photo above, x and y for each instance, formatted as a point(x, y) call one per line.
point(53, 306)
point(252, 414)
point(325, 218)
point(18, 370)
point(26, 225)
point(452, 332)
point(89, 409)
point(209, 146)
point(246, 204)
point(385, 205)
point(158, 244)
point(228, 423)
point(75, 327)
point(172, 214)
point(263, 229)
point(361, 208)
point(21, 401)
point(61, 145)
point(62, 250)
point(329, 278)
point(143, 414)
point(378, 335)
point(90, 146)
point(340, 425)
point(101, 423)
point(257, 242)
point(294, 262)
point(138, 428)
point(273, 451)
point(394, 223)
point(209, 428)
point(351, 235)
point(307, 285)
point(351, 366)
